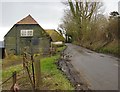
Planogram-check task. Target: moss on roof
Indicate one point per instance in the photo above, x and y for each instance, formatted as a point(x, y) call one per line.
point(55, 36)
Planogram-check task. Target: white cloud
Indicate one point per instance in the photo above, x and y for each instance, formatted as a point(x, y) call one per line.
point(32, 0)
point(0, 14)
point(110, 5)
point(45, 12)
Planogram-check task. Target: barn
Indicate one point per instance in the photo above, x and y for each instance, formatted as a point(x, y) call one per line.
point(55, 36)
point(28, 34)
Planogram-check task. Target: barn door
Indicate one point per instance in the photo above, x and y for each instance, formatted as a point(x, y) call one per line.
point(25, 43)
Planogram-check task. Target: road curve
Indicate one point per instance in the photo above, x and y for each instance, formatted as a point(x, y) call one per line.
point(100, 71)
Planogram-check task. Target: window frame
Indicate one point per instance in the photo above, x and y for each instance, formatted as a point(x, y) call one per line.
point(26, 33)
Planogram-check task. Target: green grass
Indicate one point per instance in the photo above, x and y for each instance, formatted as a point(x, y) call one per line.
point(52, 77)
point(0, 61)
point(7, 72)
point(111, 48)
point(59, 49)
point(0, 69)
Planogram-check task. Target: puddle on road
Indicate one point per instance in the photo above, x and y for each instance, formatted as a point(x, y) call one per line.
point(83, 53)
point(102, 56)
point(80, 51)
point(89, 52)
point(118, 60)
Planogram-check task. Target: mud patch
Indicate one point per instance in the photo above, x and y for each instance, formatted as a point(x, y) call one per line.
point(66, 67)
point(89, 51)
point(102, 56)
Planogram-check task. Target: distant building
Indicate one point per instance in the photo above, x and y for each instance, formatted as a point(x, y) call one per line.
point(55, 36)
point(2, 50)
point(26, 33)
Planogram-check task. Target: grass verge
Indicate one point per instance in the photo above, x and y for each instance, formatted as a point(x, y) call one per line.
point(111, 48)
point(52, 77)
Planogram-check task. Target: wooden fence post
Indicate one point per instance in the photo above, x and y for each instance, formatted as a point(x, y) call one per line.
point(33, 70)
point(25, 65)
point(6, 54)
point(14, 81)
point(32, 84)
point(14, 77)
point(24, 60)
point(38, 72)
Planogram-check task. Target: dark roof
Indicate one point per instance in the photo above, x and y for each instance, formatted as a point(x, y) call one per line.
point(27, 20)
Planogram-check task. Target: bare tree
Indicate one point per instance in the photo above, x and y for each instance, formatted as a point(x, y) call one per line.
point(82, 13)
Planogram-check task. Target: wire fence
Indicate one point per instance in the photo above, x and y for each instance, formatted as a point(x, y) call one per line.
point(30, 71)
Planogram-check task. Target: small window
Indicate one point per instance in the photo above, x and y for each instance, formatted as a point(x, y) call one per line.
point(26, 32)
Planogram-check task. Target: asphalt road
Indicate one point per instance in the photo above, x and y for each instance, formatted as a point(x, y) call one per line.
point(100, 71)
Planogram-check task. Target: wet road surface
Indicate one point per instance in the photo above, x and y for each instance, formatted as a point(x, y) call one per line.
point(100, 71)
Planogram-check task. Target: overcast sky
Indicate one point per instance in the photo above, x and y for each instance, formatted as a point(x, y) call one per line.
point(48, 13)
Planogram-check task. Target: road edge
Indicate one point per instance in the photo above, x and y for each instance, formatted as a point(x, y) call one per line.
point(71, 73)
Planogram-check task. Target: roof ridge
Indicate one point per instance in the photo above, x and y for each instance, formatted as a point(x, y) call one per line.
point(27, 20)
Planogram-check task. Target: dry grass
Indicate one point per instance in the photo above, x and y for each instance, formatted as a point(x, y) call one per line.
point(52, 77)
point(11, 60)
